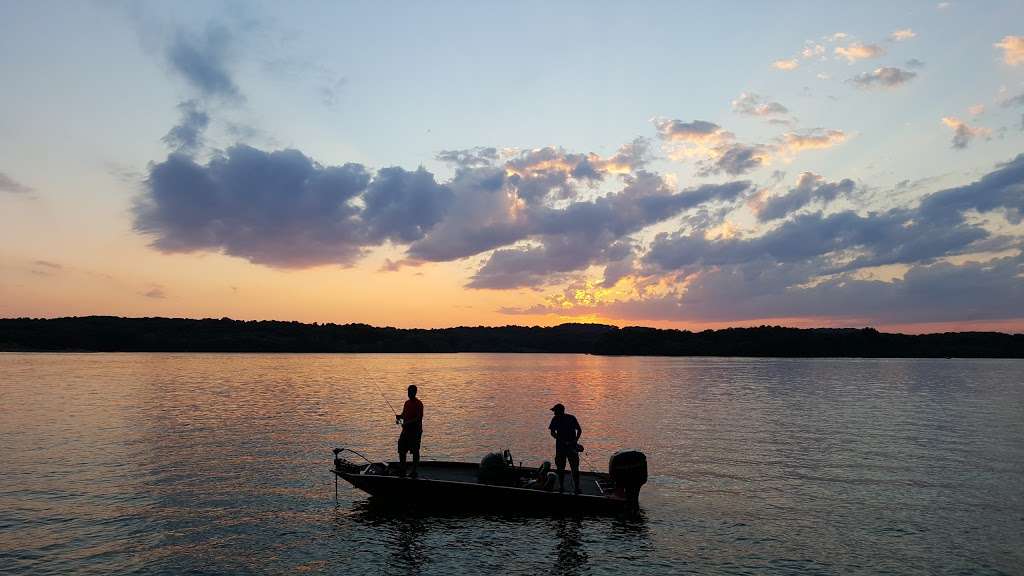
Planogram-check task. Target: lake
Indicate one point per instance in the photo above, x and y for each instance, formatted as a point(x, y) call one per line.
point(219, 464)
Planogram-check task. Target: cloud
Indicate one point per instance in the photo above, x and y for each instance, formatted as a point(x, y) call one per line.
point(915, 63)
point(47, 264)
point(8, 184)
point(594, 232)
point(812, 50)
point(202, 60)
point(818, 265)
point(902, 34)
point(999, 190)
point(401, 206)
point(629, 158)
point(887, 77)
point(396, 265)
point(963, 133)
point(751, 104)
point(1013, 49)
point(1017, 100)
point(933, 292)
point(859, 51)
point(976, 110)
point(810, 187)
point(791, 64)
point(735, 159)
point(156, 292)
point(792, 143)
point(279, 208)
point(696, 131)
point(717, 150)
point(330, 91)
point(187, 136)
point(469, 158)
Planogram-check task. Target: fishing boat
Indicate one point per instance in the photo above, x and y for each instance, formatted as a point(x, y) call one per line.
point(497, 484)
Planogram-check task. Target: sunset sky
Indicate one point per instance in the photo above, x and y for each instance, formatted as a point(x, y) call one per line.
point(462, 163)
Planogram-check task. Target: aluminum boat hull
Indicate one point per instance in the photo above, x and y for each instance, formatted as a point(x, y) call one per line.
point(453, 486)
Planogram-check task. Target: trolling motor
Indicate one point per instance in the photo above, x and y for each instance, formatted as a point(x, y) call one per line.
point(343, 465)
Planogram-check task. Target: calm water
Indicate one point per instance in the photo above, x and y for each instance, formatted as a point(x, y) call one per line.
point(218, 464)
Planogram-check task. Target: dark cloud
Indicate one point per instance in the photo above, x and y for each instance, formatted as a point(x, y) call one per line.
point(888, 238)
point(1000, 190)
point(483, 216)
point(734, 159)
point(813, 265)
point(47, 264)
point(202, 59)
point(915, 63)
point(810, 265)
point(810, 187)
point(886, 77)
point(8, 184)
point(401, 206)
point(278, 208)
point(187, 136)
point(936, 292)
point(594, 232)
point(156, 292)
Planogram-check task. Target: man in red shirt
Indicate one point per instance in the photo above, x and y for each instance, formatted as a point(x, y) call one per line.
point(411, 420)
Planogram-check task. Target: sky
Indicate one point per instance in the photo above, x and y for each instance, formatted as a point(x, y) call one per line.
point(688, 165)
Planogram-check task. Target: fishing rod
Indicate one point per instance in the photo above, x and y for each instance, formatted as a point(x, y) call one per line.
point(381, 391)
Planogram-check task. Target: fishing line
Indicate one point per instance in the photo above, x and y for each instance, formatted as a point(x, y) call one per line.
point(381, 391)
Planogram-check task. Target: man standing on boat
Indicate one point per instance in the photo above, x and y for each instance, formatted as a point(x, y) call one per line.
point(566, 431)
point(411, 420)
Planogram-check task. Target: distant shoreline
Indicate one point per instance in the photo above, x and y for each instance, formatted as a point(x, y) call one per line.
point(115, 334)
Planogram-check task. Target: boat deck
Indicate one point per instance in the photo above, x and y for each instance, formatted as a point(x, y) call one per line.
point(592, 483)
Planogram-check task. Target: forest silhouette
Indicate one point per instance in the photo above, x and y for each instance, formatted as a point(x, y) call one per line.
point(115, 334)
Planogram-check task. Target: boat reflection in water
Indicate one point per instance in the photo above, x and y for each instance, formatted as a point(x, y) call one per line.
point(565, 544)
point(497, 484)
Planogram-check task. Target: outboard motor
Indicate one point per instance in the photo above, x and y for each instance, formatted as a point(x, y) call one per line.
point(628, 469)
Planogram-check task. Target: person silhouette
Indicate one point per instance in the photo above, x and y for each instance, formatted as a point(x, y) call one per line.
point(566, 431)
point(411, 420)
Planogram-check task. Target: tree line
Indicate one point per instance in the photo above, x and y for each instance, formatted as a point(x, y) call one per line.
point(114, 334)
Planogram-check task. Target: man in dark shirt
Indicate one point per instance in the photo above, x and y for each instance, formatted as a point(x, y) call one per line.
point(566, 431)
point(411, 420)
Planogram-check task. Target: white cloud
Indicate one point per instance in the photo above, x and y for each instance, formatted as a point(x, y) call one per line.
point(791, 64)
point(859, 51)
point(1013, 49)
point(902, 34)
point(813, 51)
